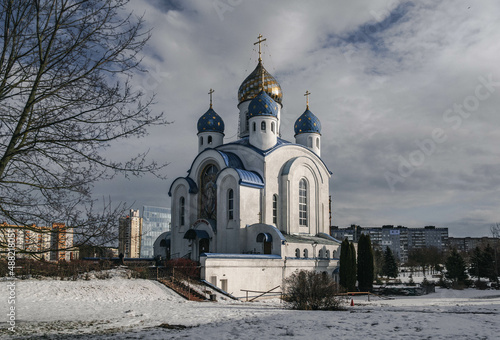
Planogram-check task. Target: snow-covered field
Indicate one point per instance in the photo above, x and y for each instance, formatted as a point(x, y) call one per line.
point(122, 308)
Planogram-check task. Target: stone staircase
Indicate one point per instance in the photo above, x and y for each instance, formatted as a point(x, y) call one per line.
point(182, 289)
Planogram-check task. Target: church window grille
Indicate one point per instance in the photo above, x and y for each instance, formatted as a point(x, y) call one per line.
point(182, 211)
point(201, 140)
point(208, 197)
point(275, 209)
point(263, 126)
point(303, 203)
point(209, 140)
point(230, 204)
point(297, 253)
point(320, 254)
point(306, 253)
point(327, 254)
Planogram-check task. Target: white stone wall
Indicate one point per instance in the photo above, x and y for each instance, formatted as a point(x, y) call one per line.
point(310, 140)
point(263, 139)
point(204, 137)
point(228, 230)
point(257, 274)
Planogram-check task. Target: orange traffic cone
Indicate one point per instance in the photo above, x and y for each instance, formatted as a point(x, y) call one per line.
point(352, 302)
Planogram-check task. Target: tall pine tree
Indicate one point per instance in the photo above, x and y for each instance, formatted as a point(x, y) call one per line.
point(365, 263)
point(390, 267)
point(455, 267)
point(351, 284)
point(344, 263)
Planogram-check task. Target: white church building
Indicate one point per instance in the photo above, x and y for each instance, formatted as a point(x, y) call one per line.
point(255, 210)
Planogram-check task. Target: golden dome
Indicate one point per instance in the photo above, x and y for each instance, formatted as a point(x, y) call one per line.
point(251, 86)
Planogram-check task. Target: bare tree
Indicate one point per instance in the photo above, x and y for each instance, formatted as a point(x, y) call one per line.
point(495, 230)
point(65, 96)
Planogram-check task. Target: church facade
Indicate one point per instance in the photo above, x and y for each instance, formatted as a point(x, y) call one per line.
point(254, 210)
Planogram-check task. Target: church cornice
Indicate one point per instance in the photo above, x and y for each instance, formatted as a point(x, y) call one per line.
point(280, 144)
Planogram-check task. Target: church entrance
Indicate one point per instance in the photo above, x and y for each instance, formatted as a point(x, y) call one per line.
point(204, 245)
point(199, 242)
point(267, 241)
point(267, 247)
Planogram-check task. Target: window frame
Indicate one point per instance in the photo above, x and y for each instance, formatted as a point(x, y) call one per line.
point(230, 204)
point(303, 203)
point(182, 211)
point(275, 209)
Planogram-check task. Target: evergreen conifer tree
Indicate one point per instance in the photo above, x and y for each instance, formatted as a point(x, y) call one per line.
point(351, 284)
point(455, 267)
point(344, 263)
point(390, 267)
point(365, 264)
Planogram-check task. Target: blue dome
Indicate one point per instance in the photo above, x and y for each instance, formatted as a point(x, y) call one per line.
point(262, 105)
point(307, 123)
point(210, 122)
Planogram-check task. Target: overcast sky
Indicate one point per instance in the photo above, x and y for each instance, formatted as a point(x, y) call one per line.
point(407, 94)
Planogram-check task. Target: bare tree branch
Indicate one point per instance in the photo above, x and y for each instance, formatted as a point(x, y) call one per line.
point(65, 95)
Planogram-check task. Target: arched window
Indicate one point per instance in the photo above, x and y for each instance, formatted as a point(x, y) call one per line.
point(303, 203)
point(209, 140)
point(320, 253)
point(275, 209)
point(230, 204)
point(272, 126)
point(263, 126)
point(317, 142)
point(181, 210)
point(306, 253)
point(327, 254)
point(208, 190)
point(310, 142)
point(297, 253)
point(201, 140)
point(254, 126)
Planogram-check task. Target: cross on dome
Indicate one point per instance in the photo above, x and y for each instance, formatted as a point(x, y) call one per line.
point(210, 93)
point(307, 99)
point(258, 42)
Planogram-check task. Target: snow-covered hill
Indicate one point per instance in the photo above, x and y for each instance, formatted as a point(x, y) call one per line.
point(120, 307)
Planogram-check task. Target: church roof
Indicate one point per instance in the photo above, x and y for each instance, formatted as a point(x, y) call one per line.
point(307, 123)
point(210, 122)
point(252, 85)
point(262, 105)
point(309, 239)
point(231, 159)
point(250, 178)
point(279, 143)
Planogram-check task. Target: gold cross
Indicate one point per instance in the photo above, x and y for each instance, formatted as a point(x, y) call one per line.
point(210, 93)
point(258, 42)
point(307, 98)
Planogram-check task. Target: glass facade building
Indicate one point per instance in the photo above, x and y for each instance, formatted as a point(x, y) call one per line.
point(156, 220)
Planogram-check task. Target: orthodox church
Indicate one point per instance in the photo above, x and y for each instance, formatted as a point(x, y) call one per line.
point(254, 210)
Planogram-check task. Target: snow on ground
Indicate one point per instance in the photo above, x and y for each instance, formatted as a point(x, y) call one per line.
point(120, 307)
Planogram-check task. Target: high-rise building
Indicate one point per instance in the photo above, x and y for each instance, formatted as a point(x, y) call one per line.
point(400, 240)
point(129, 234)
point(49, 243)
point(155, 220)
point(61, 243)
